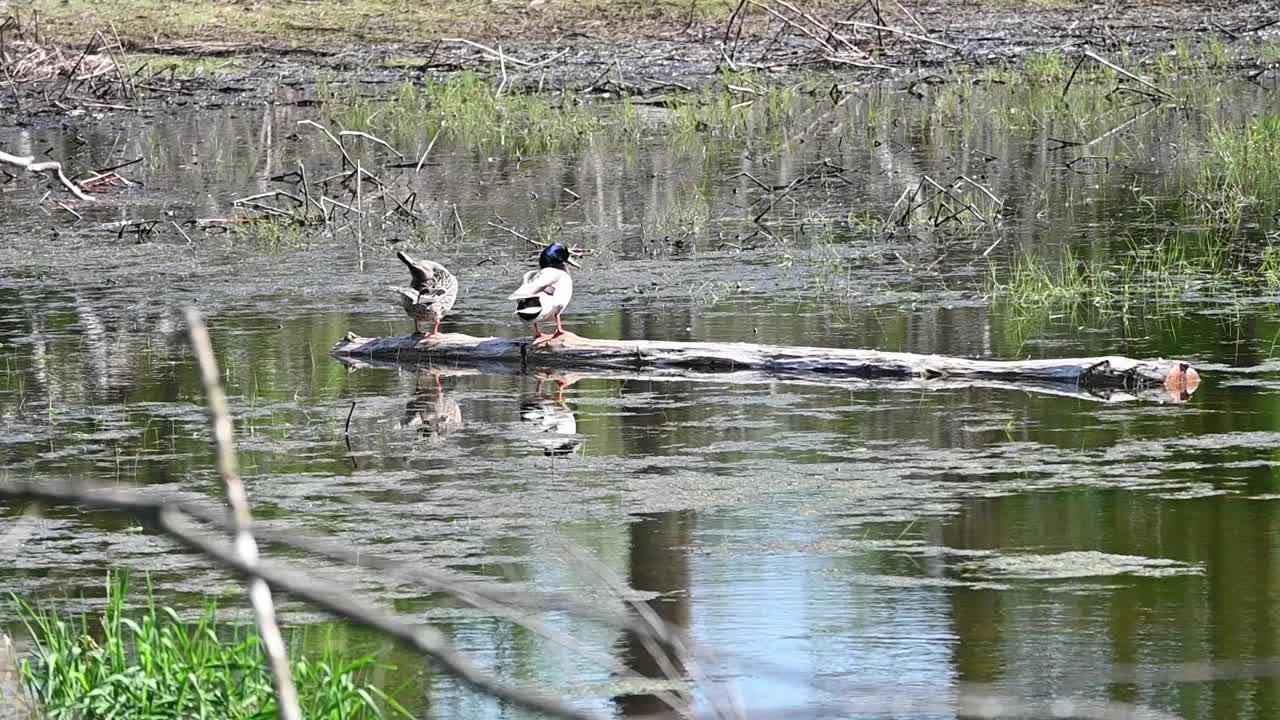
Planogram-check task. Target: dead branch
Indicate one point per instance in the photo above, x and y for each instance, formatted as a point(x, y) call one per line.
point(485, 48)
point(520, 235)
point(64, 206)
point(823, 166)
point(240, 520)
point(896, 31)
point(999, 203)
point(345, 157)
point(825, 28)
point(911, 17)
point(1103, 61)
point(49, 166)
point(795, 25)
point(1118, 128)
point(370, 138)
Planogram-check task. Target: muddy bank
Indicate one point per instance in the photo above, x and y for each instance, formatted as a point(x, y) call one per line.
point(603, 50)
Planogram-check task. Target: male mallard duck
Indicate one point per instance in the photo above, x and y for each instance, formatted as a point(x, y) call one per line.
point(546, 291)
point(430, 294)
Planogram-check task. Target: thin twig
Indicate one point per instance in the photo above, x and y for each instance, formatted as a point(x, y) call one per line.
point(427, 152)
point(246, 548)
point(822, 26)
point(999, 203)
point(462, 231)
point(1072, 77)
point(306, 194)
point(359, 202)
point(502, 66)
point(334, 140)
point(896, 31)
point(64, 206)
point(371, 138)
point(509, 230)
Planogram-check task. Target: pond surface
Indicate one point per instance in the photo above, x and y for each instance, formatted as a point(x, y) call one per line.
point(845, 551)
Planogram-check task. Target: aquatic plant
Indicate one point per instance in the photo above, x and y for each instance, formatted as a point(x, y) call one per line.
point(156, 665)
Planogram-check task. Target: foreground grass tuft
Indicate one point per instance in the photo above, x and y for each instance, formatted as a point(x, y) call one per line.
point(154, 665)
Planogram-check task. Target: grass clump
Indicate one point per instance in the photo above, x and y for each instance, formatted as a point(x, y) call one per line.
point(154, 665)
point(1243, 171)
point(1030, 281)
point(1043, 68)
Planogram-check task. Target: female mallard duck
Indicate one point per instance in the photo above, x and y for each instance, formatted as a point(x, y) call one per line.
point(546, 291)
point(430, 294)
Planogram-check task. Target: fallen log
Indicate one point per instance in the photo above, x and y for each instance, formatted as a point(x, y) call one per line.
point(1099, 378)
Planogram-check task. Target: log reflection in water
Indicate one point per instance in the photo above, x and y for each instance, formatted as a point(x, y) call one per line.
point(659, 564)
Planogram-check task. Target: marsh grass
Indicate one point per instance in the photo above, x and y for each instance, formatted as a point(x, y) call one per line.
point(1069, 281)
point(151, 664)
point(465, 108)
point(148, 65)
point(1242, 172)
point(1145, 274)
point(269, 234)
point(1191, 56)
point(738, 103)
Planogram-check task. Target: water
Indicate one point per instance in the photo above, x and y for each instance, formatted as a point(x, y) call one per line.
point(858, 551)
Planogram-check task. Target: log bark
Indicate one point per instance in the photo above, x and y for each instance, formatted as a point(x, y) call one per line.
point(1101, 378)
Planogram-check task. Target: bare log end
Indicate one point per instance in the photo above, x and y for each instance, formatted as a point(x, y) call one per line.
point(1182, 381)
point(1162, 380)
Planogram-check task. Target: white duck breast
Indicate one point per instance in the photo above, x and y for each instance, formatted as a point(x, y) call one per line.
point(543, 294)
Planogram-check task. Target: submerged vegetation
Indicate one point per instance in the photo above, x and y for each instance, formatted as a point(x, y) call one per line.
point(152, 664)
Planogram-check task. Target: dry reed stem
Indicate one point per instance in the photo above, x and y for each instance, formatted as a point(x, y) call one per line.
point(240, 520)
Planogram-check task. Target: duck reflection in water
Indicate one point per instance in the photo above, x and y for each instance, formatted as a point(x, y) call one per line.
point(430, 410)
point(553, 424)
